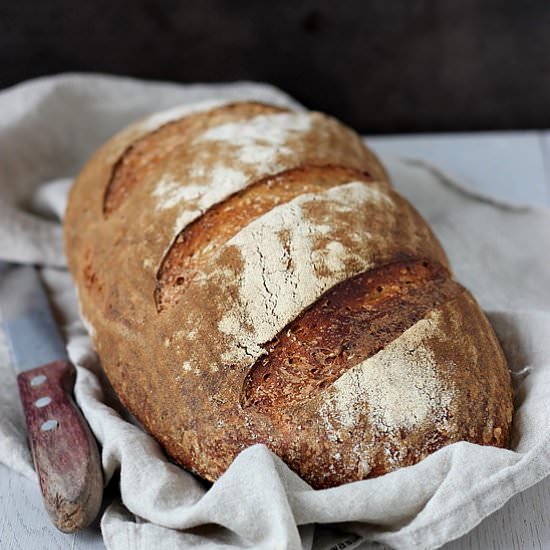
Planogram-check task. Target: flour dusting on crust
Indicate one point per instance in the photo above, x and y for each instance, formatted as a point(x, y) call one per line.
point(398, 388)
point(290, 260)
point(249, 149)
point(263, 139)
point(195, 198)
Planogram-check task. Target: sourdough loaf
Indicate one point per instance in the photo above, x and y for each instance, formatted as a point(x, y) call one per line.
point(248, 275)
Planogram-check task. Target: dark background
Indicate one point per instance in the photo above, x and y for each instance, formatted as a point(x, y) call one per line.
point(382, 66)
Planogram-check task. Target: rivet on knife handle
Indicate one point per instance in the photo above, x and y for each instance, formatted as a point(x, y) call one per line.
point(64, 450)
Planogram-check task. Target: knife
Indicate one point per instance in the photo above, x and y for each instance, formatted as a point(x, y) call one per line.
point(64, 451)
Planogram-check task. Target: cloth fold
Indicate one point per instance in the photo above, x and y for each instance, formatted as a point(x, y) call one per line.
point(49, 128)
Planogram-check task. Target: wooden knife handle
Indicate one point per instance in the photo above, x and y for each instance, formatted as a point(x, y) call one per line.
point(64, 451)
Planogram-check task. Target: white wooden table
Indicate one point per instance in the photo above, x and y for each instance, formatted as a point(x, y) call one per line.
point(513, 166)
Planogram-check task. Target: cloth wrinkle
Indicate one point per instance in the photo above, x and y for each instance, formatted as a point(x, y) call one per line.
point(494, 248)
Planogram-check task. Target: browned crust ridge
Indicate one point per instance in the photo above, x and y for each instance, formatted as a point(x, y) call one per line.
point(201, 239)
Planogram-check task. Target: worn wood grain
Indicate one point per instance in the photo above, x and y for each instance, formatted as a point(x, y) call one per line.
point(510, 166)
point(522, 524)
point(25, 525)
point(64, 450)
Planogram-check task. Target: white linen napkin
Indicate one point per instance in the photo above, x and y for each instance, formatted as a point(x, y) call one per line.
point(49, 127)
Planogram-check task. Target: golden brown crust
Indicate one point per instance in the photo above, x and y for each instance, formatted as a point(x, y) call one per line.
point(154, 148)
point(275, 210)
point(350, 323)
point(199, 241)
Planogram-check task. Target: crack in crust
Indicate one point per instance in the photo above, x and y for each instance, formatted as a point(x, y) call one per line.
point(350, 323)
point(143, 155)
point(198, 242)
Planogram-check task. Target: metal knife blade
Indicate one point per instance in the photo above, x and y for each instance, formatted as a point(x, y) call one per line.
point(64, 450)
point(32, 332)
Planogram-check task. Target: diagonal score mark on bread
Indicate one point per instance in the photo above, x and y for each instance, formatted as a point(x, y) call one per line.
point(152, 149)
point(350, 323)
point(249, 140)
point(291, 255)
point(217, 152)
point(200, 240)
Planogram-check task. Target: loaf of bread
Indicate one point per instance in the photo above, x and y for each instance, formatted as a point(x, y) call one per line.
point(248, 275)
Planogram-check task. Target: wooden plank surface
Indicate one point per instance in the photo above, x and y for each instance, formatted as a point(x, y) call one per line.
point(24, 523)
point(512, 166)
point(507, 165)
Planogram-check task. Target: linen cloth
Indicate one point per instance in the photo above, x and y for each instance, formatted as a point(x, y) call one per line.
point(49, 127)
